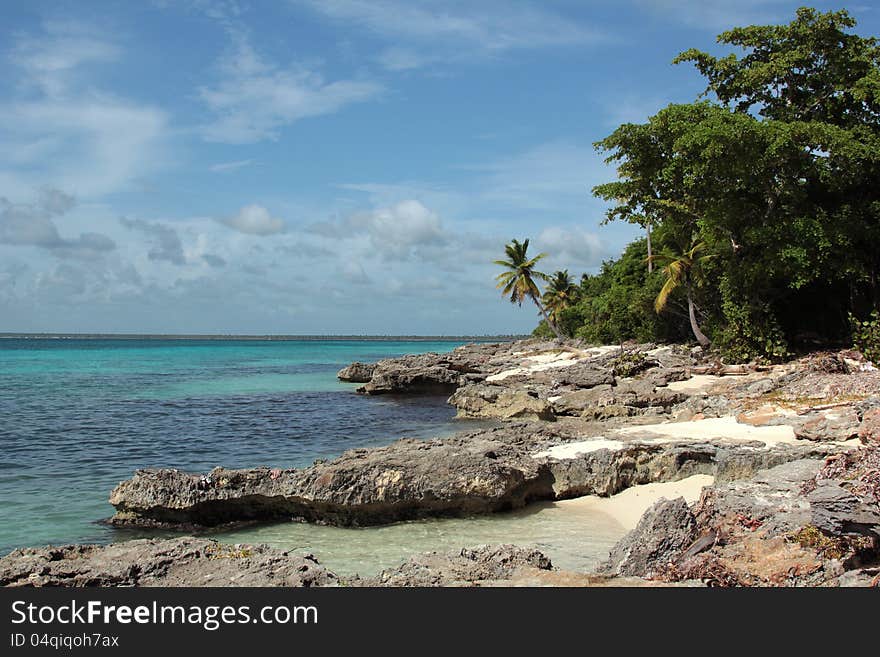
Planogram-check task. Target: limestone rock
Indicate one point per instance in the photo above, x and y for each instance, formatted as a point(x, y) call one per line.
point(184, 561)
point(834, 424)
point(357, 372)
point(663, 533)
point(464, 567)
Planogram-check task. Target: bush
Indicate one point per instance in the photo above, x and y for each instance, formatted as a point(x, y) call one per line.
point(866, 336)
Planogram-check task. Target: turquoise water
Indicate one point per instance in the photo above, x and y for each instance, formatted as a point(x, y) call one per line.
point(79, 415)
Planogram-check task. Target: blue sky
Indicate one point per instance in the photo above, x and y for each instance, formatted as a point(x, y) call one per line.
point(319, 166)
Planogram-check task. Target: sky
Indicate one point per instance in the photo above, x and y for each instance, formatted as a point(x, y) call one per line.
point(320, 166)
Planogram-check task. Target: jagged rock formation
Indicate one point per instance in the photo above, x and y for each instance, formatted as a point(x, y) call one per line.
point(465, 567)
point(182, 561)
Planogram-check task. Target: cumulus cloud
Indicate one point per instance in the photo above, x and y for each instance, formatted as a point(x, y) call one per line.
point(395, 232)
point(255, 98)
point(570, 246)
point(165, 242)
point(33, 224)
point(254, 220)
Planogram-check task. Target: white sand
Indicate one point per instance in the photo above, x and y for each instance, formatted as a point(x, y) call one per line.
point(539, 363)
point(575, 449)
point(712, 428)
point(551, 360)
point(697, 383)
point(628, 506)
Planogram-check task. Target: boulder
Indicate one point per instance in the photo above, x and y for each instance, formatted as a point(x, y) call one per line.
point(838, 512)
point(584, 375)
point(834, 424)
point(663, 533)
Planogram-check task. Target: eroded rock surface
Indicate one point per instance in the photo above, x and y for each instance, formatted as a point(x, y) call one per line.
point(184, 561)
point(799, 523)
point(465, 567)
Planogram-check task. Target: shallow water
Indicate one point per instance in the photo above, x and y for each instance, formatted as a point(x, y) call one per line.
point(574, 537)
point(77, 416)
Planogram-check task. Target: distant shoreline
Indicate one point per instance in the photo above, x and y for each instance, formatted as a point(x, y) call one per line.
point(268, 338)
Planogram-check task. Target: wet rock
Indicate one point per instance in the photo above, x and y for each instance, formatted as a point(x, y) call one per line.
point(465, 567)
point(184, 561)
point(357, 372)
point(663, 533)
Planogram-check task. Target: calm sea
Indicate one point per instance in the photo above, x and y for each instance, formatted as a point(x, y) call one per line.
point(79, 415)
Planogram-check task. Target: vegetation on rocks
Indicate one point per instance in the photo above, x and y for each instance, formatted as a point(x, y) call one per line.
point(776, 175)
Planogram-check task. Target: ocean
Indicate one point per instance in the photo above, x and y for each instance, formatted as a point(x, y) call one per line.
point(77, 416)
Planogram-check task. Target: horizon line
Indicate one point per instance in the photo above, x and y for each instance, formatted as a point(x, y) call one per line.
point(257, 336)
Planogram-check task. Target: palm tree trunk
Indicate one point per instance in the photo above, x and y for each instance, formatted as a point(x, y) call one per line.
point(547, 318)
point(698, 334)
point(650, 258)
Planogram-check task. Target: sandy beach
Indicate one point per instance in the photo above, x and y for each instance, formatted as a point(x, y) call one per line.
point(628, 506)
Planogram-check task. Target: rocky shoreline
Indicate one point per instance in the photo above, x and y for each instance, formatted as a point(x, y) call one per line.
point(784, 444)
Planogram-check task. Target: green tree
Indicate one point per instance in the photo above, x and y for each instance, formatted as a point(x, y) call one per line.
point(519, 280)
point(561, 293)
point(779, 177)
point(683, 270)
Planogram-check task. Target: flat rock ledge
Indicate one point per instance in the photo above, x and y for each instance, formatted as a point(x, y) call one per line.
point(467, 474)
point(184, 561)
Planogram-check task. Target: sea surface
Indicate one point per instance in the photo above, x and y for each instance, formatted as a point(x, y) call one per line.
point(77, 416)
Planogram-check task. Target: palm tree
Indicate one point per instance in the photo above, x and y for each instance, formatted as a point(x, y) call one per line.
point(519, 279)
point(561, 293)
point(683, 270)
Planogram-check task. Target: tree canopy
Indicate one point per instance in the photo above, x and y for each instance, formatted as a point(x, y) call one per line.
point(777, 173)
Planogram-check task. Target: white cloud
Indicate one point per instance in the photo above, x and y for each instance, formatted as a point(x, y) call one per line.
point(33, 224)
point(401, 59)
point(165, 242)
point(225, 167)
point(487, 25)
point(396, 232)
point(50, 60)
point(719, 15)
point(552, 176)
point(61, 121)
point(255, 98)
point(254, 220)
point(570, 246)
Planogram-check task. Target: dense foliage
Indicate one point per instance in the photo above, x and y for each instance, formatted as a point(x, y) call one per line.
point(777, 178)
